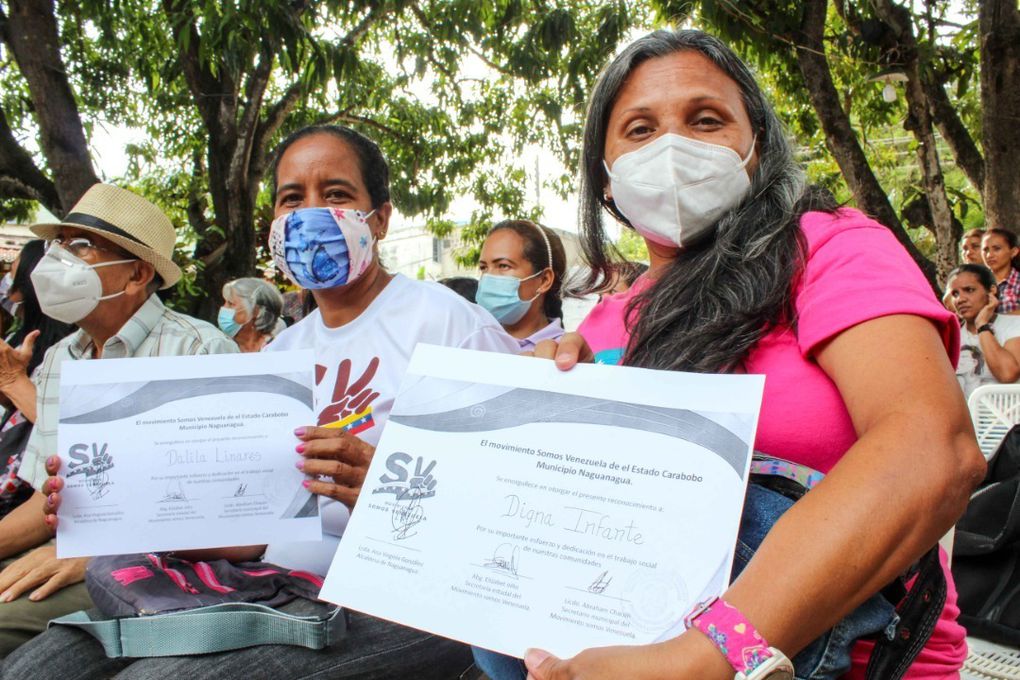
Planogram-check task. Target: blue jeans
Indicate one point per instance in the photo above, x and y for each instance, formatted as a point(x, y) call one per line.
point(827, 658)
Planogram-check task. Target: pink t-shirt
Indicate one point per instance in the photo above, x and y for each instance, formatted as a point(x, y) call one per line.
point(855, 271)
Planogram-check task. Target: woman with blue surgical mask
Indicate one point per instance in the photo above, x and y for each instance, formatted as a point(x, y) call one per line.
point(522, 266)
point(250, 312)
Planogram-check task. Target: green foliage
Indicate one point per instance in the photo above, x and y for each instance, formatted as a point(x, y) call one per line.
point(631, 246)
point(765, 32)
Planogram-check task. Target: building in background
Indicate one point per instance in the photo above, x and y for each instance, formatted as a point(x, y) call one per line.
point(14, 235)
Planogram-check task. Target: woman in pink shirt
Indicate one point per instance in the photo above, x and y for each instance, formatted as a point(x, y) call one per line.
point(753, 271)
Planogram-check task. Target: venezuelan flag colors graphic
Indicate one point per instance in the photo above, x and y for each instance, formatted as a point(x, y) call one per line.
point(356, 422)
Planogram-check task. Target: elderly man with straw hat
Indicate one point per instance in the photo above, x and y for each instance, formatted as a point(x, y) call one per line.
point(102, 268)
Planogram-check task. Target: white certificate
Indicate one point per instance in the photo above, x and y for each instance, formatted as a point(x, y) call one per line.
point(172, 453)
point(510, 504)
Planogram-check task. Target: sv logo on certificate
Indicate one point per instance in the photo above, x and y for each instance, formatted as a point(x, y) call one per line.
point(510, 504)
point(172, 453)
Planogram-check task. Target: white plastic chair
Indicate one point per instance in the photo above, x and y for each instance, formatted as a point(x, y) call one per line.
point(994, 410)
point(987, 661)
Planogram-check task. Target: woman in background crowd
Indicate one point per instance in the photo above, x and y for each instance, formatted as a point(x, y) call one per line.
point(522, 266)
point(250, 313)
point(989, 342)
point(1000, 250)
point(622, 278)
point(970, 247)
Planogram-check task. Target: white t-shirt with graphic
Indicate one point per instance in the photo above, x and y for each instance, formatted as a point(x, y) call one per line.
point(972, 369)
point(359, 367)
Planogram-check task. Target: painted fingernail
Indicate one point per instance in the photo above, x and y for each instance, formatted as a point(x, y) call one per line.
point(300, 448)
point(53, 460)
point(34, 597)
point(52, 499)
point(300, 465)
point(300, 432)
point(49, 519)
point(307, 483)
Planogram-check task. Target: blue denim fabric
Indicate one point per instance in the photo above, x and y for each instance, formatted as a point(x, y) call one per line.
point(499, 666)
point(827, 658)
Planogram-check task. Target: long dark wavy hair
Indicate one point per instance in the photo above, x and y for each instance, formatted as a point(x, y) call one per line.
point(718, 298)
point(32, 317)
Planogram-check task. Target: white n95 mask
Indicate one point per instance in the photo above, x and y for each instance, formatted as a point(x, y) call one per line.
point(67, 286)
point(674, 189)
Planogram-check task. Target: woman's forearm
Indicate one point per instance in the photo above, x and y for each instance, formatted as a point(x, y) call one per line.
point(869, 520)
point(1002, 364)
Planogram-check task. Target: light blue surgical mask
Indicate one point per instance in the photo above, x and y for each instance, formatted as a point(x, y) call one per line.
point(501, 296)
point(225, 320)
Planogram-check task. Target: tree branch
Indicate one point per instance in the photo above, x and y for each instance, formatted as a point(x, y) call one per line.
point(839, 133)
point(23, 178)
point(205, 88)
point(30, 31)
point(279, 110)
point(362, 120)
point(965, 152)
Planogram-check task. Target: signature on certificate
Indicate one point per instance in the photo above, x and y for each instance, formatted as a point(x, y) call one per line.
point(98, 485)
point(600, 584)
point(504, 559)
point(407, 514)
point(174, 492)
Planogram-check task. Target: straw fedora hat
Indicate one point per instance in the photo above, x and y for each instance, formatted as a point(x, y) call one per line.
point(127, 219)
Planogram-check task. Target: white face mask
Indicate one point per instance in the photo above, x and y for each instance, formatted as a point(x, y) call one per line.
point(674, 189)
point(67, 286)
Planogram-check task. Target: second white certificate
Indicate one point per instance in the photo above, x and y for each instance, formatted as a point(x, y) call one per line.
point(173, 453)
point(510, 505)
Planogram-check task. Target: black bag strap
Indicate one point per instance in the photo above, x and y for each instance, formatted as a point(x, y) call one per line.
point(919, 612)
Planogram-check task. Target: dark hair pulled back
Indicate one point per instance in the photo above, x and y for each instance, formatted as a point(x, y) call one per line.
point(375, 173)
point(536, 254)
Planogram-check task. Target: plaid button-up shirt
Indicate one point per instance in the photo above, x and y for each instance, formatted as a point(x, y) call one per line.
point(152, 331)
point(1009, 293)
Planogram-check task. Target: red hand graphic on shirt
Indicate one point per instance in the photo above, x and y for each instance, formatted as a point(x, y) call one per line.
point(348, 398)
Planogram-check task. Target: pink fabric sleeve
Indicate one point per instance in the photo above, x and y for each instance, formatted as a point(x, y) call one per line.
point(857, 271)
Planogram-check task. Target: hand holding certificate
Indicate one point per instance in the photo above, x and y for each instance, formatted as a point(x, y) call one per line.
point(575, 510)
point(173, 453)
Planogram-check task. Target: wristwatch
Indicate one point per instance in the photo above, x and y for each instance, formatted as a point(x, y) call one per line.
point(744, 648)
point(986, 327)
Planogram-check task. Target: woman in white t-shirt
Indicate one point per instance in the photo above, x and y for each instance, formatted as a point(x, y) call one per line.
point(989, 342)
point(330, 188)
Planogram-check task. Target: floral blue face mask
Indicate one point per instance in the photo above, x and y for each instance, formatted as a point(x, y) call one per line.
point(320, 248)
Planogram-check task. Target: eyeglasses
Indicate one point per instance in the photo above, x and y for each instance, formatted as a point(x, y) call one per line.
point(79, 246)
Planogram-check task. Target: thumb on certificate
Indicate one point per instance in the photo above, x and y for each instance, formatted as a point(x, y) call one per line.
point(540, 663)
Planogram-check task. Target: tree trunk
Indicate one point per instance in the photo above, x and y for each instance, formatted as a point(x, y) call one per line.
point(921, 124)
point(999, 24)
point(33, 40)
point(839, 133)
